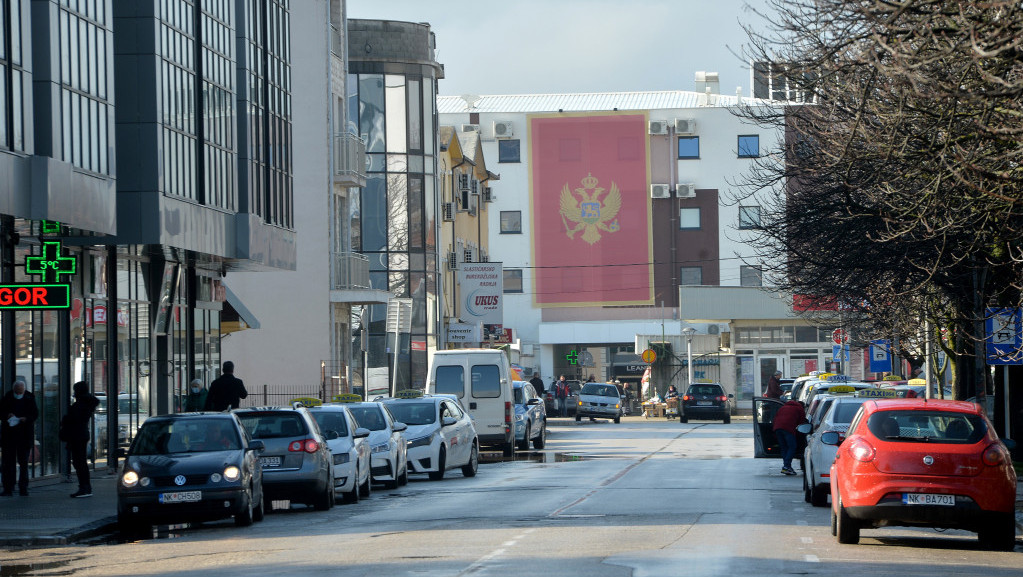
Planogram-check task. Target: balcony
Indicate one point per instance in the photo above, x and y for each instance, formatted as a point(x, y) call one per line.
point(349, 160)
point(350, 280)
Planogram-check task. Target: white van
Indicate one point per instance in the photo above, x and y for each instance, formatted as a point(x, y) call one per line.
point(482, 381)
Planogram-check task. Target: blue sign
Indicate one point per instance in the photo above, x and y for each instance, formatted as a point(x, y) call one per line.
point(837, 353)
point(880, 356)
point(1003, 336)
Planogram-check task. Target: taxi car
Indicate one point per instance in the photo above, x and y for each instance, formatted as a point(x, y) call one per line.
point(388, 447)
point(599, 400)
point(925, 463)
point(530, 416)
point(350, 453)
point(297, 463)
point(441, 435)
point(194, 466)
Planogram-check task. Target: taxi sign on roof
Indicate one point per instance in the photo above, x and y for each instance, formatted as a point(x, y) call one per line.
point(841, 389)
point(880, 393)
point(306, 402)
point(346, 398)
point(408, 394)
point(892, 378)
point(837, 379)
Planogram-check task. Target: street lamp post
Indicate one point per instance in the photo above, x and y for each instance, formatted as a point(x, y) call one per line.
point(688, 333)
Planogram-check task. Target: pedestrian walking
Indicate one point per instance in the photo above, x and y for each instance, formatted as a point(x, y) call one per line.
point(561, 393)
point(226, 391)
point(74, 431)
point(195, 401)
point(789, 416)
point(774, 386)
point(17, 437)
point(537, 383)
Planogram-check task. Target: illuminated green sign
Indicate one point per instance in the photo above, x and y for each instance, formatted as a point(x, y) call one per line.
point(572, 357)
point(50, 264)
point(34, 296)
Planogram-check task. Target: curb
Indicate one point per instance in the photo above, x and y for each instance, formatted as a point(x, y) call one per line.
point(69, 537)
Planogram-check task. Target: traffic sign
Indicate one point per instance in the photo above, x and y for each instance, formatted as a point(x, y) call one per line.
point(1003, 337)
point(649, 356)
point(840, 337)
point(880, 356)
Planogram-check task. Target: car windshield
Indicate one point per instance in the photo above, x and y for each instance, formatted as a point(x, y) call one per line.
point(599, 390)
point(414, 413)
point(371, 418)
point(274, 425)
point(331, 421)
point(927, 426)
point(125, 405)
point(704, 390)
point(189, 436)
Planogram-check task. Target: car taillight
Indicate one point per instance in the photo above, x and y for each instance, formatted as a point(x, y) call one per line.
point(722, 398)
point(508, 412)
point(307, 445)
point(862, 451)
point(993, 456)
point(686, 398)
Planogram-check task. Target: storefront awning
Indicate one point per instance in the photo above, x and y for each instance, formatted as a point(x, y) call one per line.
point(235, 316)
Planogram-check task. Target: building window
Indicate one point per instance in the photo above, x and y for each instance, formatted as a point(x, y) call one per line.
point(689, 147)
point(513, 280)
point(508, 151)
point(511, 222)
point(691, 276)
point(751, 276)
point(749, 146)
point(689, 218)
point(749, 217)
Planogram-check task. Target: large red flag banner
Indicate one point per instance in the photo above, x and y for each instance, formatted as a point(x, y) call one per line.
point(590, 209)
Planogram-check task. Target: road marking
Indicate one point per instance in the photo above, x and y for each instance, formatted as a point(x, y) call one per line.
point(807, 540)
point(811, 559)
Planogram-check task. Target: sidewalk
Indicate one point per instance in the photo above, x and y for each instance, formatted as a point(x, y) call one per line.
point(49, 516)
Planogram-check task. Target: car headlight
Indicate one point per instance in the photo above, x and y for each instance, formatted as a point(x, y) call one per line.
point(382, 448)
point(519, 417)
point(232, 473)
point(422, 441)
point(341, 458)
point(129, 479)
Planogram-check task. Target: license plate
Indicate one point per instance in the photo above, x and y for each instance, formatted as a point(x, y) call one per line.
point(270, 461)
point(928, 499)
point(181, 497)
point(703, 403)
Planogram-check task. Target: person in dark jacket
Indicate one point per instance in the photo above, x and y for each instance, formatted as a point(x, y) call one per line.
point(74, 430)
point(226, 392)
point(774, 386)
point(19, 412)
point(196, 399)
point(789, 416)
point(537, 383)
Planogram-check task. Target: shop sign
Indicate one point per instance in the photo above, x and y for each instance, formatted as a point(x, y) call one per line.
point(35, 296)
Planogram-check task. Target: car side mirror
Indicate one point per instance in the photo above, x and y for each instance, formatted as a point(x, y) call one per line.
point(533, 402)
point(331, 434)
point(731, 396)
point(804, 428)
point(256, 445)
point(399, 427)
point(448, 421)
point(361, 433)
point(830, 438)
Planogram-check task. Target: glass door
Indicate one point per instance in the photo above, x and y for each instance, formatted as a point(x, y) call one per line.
point(768, 364)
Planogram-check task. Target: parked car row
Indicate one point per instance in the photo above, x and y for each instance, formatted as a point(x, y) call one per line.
point(885, 459)
point(207, 466)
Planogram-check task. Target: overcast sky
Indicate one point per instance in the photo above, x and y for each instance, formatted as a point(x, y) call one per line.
point(558, 46)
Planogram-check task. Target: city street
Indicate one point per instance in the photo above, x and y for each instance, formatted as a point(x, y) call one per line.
point(643, 498)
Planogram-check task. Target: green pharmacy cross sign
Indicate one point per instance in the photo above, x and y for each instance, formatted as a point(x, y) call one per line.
point(51, 265)
point(572, 357)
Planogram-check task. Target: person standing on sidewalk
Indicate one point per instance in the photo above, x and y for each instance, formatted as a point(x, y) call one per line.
point(19, 412)
point(774, 386)
point(226, 391)
point(196, 399)
point(74, 430)
point(788, 417)
point(561, 393)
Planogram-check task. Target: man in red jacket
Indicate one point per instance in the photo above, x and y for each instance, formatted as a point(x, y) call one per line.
point(788, 417)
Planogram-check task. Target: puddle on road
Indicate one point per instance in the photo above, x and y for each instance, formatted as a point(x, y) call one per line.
point(14, 570)
point(537, 457)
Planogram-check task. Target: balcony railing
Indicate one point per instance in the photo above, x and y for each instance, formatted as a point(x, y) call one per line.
point(349, 160)
point(350, 271)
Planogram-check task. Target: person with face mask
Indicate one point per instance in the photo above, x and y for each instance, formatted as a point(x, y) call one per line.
point(17, 437)
point(196, 399)
point(74, 430)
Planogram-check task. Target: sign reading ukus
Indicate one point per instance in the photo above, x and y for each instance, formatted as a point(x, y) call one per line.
point(481, 286)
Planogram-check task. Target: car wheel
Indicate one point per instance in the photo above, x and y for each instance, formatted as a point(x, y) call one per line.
point(395, 482)
point(541, 440)
point(508, 449)
point(404, 475)
point(846, 528)
point(834, 523)
point(618, 419)
point(131, 527)
point(523, 445)
point(578, 417)
point(819, 495)
point(353, 495)
point(245, 517)
point(727, 419)
point(1001, 535)
point(439, 473)
point(806, 489)
point(259, 511)
point(366, 488)
point(322, 501)
point(683, 419)
point(469, 469)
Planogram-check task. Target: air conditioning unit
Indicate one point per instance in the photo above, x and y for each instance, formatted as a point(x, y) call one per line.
point(503, 129)
point(685, 190)
point(449, 212)
point(463, 182)
point(470, 128)
point(660, 191)
point(712, 329)
point(452, 260)
point(488, 194)
point(685, 126)
point(657, 127)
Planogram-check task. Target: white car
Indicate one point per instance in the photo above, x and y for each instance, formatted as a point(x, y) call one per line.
point(440, 434)
point(389, 449)
point(347, 443)
point(818, 456)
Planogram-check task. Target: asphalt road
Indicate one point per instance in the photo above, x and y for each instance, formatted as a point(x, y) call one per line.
point(643, 498)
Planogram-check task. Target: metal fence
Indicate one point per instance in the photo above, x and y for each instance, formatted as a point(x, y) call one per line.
point(283, 395)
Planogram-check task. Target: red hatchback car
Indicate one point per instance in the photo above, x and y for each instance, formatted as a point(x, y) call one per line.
point(923, 463)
